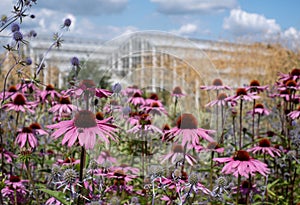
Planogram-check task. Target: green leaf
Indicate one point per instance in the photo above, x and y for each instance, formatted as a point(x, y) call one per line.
point(56, 194)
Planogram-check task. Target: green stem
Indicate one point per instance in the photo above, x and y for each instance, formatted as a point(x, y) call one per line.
point(32, 183)
point(82, 163)
point(211, 170)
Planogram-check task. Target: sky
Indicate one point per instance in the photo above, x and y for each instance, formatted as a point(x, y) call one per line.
point(226, 20)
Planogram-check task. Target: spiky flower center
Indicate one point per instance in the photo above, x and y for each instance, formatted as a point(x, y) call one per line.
point(295, 72)
point(12, 89)
point(178, 148)
point(241, 155)
point(264, 142)
point(291, 83)
point(187, 121)
point(254, 83)
point(13, 178)
point(213, 145)
point(154, 96)
point(298, 109)
point(222, 96)
point(156, 171)
point(259, 106)
point(241, 91)
point(99, 116)
point(49, 87)
point(85, 119)
point(19, 100)
point(193, 178)
point(69, 160)
point(177, 91)
point(217, 82)
point(221, 181)
point(35, 126)
point(69, 176)
point(27, 130)
point(271, 133)
point(64, 100)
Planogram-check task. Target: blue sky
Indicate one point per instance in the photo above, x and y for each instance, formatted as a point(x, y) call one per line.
point(229, 20)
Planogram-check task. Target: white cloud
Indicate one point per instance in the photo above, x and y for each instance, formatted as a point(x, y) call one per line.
point(80, 7)
point(194, 6)
point(186, 29)
point(241, 23)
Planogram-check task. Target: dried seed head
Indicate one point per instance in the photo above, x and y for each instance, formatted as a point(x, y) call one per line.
point(177, 91)
point(222, 96)
point(114, 200)
point(217, 82)
point(177, 148)
point(93, 164)
point(295, 72)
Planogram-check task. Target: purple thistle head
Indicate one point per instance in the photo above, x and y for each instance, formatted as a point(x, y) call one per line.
point(32, 33)
point(116, 88)
point(15, 27)
point(17, 36)
point(67, 22)
point(28, 61)
point(75, 61)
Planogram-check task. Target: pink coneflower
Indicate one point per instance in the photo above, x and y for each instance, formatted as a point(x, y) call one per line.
point(259, 109)
point(136, 99)
point(256, 87)
point(53, 201)
point(177, 92)
point(84, 127)
point(242, 164)
point(64, 106)
point(284, 94)
point(37, 129)
point(19, 103)
point(211, 147)
point(26, 135)
point(293, 75)
point(187, 128)
point(15, 189)
point(153, 99)
point(295, 114)
point(241, 93)
point(7, 155)
point(220, 101)
point(28, 86)
point(144, 125)
point(49, 92)
point(105, 156)
point(10, 93)
point(155, 108)
point(129, 91)
point(69, 161)
point(216, 85)
point(290, 85)
point(177, 154)
point(264, 147)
